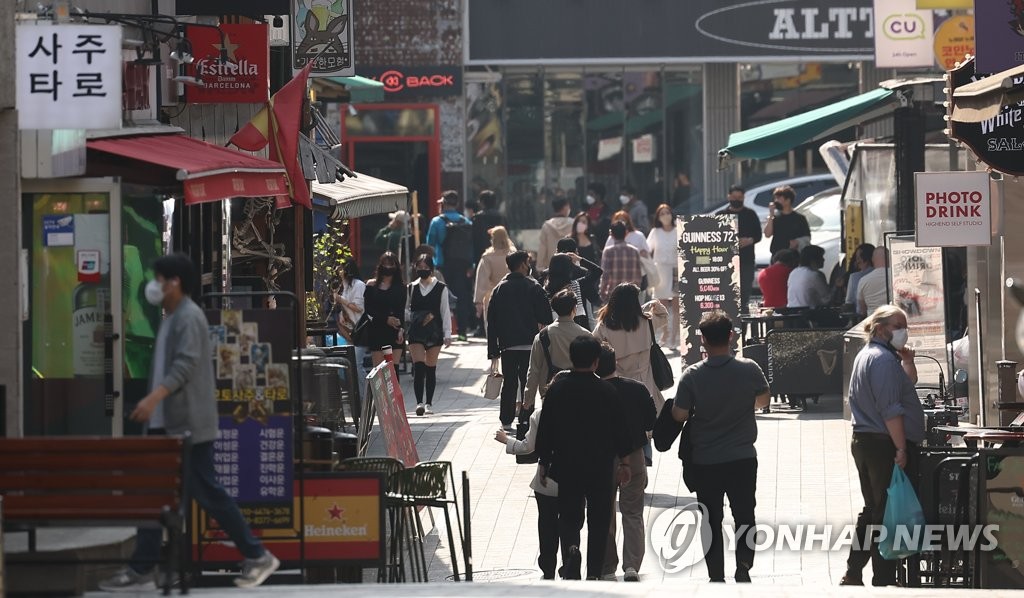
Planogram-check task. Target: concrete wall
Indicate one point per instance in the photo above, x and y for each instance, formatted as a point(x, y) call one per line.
point(721, 118)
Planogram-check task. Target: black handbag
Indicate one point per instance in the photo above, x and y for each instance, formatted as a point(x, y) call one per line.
point(666, 429)
point(686, 453)
point(660, 367)
point(522, 427)
point(360, 332)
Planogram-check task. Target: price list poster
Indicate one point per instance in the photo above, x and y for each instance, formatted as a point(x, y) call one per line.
point(709, 265)
point(253, 455)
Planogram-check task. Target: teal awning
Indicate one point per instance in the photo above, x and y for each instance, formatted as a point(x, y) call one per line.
point(361, 89)
point(783, 135)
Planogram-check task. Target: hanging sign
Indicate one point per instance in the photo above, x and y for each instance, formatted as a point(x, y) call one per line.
point(953, 209)
point(904, 35)
point(1000, 25)
point(954, 40)
point(68, 76)
point(232, 61)
point(416, 81)
point(997, 141)
point(322, 31)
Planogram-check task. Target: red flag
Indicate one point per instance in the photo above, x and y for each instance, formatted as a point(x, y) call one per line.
point(278, 124)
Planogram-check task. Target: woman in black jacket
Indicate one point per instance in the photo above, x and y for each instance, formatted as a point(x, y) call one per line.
point(570, 270)
point(384, 303)
point(430, 326)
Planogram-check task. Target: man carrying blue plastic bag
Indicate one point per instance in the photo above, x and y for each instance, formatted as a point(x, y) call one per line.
point(888, 427)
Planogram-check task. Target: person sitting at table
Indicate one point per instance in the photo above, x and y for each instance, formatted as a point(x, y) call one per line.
point(774, 280)
point(807, 286)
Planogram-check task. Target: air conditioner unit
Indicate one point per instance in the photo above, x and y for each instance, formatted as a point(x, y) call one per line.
point(280, 36)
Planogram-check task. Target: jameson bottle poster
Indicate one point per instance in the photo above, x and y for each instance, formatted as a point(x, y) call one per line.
point(709, 263)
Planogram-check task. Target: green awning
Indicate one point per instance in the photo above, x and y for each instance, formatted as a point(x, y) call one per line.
point(781, 136)
point(362, 90)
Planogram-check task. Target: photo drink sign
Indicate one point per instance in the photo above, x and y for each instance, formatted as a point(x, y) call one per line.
point(709, 266)
point(953, 209)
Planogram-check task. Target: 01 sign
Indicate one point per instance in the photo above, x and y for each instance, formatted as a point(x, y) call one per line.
point(953, 209)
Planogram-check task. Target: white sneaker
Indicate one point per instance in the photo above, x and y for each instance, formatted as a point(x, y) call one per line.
point(127, 580)
point(256, 571)
point(631, 575)
point(428, 410)
point(419, 409)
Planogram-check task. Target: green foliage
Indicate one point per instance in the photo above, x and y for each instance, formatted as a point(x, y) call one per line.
point(330, 252)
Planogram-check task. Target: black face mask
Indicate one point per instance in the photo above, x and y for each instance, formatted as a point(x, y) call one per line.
point(389, 271)
point(423, 273)
point(735, 203)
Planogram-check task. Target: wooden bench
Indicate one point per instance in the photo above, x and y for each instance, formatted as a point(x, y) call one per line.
point(96, 481)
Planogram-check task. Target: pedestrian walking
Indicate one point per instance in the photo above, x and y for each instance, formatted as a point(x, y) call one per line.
point(349, 306)
point(749, 231)
point(183, 400)
point(638, 416)
point(384, 302)
point(888, 427)
point(579, 445)
point(637, 209)
point(492, 268)
point(720, 394)
point(621, 262)
point(581, 233)
point(598, 214)
point(485, 221)
point(555, 228)
point(549, 353)
point(519, 308)
point(430, 326)
point(546, 495)
point(451, 236)
point(664, 243)
point(622, 324)
point(634, 237)
point(586, 289)
point(570, 271)
point(787, 228)
point(389, 238)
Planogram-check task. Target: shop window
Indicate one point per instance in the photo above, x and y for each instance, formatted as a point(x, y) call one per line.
point(684, 162)
point(527, 201)
point(605, 128)
point(563, 136)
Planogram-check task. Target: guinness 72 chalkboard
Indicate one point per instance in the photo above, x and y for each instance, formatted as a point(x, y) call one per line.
point(709, 264)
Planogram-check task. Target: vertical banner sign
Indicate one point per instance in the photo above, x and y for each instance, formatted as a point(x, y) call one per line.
point(390, 404)
point(253, 454)
point(918, 290)
point(709, 275)
point(954, 40)
point(322, 31)
point(853, 228)
point(1000, 34)
point(68, 76)
point(903, 34)
point(232, 61)
point(953, 209)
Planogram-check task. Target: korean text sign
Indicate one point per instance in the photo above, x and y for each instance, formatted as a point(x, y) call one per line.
point(953, 209)
point(68, 76)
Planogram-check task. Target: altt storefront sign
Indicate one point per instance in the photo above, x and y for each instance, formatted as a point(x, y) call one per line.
point(233, 67)
point(953, 209)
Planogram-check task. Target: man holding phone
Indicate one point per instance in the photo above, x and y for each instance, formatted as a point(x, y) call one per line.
point(786, 228)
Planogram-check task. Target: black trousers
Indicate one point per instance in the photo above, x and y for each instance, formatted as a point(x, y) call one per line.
point(547, 534)
point(738, 481)
point(514, 366)
point(458, 285)
point(746, 284)
point(874, 455)
point(590, 491)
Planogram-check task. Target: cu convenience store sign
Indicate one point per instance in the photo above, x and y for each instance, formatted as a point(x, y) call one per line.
point(953, 209)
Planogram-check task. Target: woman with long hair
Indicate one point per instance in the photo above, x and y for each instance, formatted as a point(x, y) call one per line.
point(349, 306)
point(384, 301)
point(633, 236)
point(492, 268)
point(664, 243)
point(569, 270)
point(430, 326)
point(623, 325)
point(584, 237)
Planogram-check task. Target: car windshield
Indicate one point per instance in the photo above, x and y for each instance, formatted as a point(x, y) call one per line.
point(822, 213)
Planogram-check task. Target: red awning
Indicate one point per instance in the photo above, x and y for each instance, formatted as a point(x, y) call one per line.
point(208, 172)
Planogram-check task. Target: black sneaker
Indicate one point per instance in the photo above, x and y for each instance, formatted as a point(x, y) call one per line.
point(573, 564)
point(742, 574)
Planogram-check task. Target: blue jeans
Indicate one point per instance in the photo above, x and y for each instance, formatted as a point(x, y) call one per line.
point(202, 486)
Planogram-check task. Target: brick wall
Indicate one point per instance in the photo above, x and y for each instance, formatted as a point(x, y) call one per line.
point(408, 32)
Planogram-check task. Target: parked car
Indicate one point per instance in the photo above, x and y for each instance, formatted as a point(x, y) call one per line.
point(823, 212)
point(757, 198)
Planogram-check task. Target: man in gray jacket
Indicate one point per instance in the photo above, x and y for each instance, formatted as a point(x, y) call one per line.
point(183, 400)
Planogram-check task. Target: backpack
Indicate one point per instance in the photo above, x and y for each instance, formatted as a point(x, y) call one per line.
point(458, 241)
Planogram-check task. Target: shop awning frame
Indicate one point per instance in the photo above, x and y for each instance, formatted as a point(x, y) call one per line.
point(984, 99)
point(362, 195)
point(781, 136)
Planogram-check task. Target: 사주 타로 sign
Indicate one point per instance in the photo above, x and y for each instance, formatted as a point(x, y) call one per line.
point(953, 209)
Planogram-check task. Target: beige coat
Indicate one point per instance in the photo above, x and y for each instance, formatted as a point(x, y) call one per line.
point(489, 272)
point(633, 355)
point(554, 229)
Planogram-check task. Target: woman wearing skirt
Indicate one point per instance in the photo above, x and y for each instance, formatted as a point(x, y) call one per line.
point(430, 326)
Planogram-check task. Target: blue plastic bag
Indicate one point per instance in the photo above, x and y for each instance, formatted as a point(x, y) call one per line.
point(903, 520)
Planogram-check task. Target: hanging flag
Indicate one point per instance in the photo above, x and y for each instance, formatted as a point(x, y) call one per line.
point(278, 125)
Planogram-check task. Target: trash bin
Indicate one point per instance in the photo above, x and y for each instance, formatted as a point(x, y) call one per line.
point(853, 341)
point(346, 445)
point(317, 449)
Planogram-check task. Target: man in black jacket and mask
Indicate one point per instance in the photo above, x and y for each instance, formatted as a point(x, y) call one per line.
point(519, 308)
point(583, 445)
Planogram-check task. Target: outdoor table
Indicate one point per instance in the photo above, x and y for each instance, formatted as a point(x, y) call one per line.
point(1006, 438)
point(757, 327)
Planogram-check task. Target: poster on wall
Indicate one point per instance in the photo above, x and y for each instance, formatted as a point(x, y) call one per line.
point(954, 40)
point(916, 282)
point(232, 61)
point(253, 455)
point(322, 32)
point(953, 209)
point(903, 34)
point(1000, 34)
point(709, 265)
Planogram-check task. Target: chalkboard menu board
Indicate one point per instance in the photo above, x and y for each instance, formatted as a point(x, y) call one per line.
point(709, 266)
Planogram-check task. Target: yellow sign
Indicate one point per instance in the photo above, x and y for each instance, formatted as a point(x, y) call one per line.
point(951, 4)
point(853, 223)
point(954, 39)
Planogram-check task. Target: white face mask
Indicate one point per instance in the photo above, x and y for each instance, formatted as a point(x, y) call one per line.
point(624, 199)
point(154, 293)
point(591, 200)
point(899, 338)
point(581, 227)
point(665, 219)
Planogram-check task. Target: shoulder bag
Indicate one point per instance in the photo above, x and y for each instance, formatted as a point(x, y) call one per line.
point(660, 367)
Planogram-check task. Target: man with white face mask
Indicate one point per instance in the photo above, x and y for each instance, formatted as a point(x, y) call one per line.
point(888, 426)
point(636, 208)
point(183, 400)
